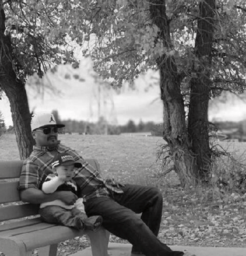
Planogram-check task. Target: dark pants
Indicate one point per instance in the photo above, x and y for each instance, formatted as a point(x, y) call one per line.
point(57, 215)
point(118, 212)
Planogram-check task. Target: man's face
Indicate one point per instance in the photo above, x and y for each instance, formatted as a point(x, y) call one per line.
point(46, 136)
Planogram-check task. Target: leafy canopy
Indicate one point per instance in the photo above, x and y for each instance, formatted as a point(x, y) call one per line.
point(122, 39)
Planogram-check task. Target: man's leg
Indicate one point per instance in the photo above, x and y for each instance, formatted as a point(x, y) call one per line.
point(145, 200)
point(123, 222)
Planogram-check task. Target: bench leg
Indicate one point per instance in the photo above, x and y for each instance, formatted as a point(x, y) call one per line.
point(50, 250)
point(99, 241)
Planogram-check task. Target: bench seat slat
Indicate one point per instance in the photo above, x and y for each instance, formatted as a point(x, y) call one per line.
point(10, 192)
point(26, 229)
point(14, 166)
point(17, 211)
point(19, 223)
point(39, 238)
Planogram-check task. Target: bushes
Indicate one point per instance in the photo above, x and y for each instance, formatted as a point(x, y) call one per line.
point(229, 174)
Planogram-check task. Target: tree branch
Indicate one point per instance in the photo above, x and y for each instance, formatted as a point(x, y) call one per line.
point(240, 8)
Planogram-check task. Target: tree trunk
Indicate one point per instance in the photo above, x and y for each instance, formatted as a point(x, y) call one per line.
point(175, 131)
point(199, 91)
point(21, 117)
point(198, 127)
point(16, 93)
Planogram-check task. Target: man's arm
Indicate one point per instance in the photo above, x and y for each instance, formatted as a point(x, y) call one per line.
point(29, 191)
point(36, 196)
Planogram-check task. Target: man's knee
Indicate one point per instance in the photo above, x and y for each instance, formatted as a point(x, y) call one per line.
point(134, 222)
point(156, 193)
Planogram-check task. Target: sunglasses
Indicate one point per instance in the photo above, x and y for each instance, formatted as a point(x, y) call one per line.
point(48, 130)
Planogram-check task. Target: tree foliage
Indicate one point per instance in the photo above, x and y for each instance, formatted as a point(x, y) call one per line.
point(123, 41)
point(38, 36)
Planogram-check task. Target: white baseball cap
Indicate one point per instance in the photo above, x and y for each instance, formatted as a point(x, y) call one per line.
point(44, 120)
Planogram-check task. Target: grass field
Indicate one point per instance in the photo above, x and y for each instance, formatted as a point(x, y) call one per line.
point(124, 158)
point(187, 220)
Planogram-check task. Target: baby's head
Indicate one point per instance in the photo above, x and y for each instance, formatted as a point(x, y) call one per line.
point(63, 164)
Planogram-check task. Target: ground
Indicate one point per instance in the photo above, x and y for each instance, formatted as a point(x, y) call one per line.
point(190, 217)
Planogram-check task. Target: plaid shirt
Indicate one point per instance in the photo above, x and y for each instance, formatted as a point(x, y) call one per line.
point(38, 165)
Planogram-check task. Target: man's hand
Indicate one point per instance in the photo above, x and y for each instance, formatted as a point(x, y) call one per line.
point(67, 197)
point(113, 183)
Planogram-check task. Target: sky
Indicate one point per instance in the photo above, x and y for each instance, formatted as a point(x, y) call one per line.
point(233, 109)
point(79, 100)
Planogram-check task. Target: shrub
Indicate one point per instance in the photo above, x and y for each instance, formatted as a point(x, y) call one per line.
point(229, 174)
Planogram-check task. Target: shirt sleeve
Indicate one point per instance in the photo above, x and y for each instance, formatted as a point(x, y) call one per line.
point(29, 175)
point(51, 184)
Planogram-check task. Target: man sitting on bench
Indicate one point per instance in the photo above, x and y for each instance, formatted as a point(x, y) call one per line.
point(116, 203)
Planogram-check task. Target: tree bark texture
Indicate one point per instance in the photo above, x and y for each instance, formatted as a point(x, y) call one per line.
point(16, 93)
point(174, 130)
point(198, 128)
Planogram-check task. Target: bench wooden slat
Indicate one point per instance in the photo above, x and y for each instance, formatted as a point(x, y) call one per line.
point(43, 237)
point(10, 169)
point(18, 224)
point(17, 211)
point(10, 192)
point(27, 229)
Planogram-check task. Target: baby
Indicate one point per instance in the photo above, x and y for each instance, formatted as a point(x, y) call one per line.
point(57, 211)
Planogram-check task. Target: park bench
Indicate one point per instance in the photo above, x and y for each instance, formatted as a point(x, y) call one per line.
point(21, 229)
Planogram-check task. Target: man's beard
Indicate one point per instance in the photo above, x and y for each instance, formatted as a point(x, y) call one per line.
point(53, 142)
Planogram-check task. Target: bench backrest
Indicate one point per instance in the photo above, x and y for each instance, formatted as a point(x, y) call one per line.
point(11, 206)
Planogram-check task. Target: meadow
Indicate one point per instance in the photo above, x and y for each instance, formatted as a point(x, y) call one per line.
point(121, 157)
point(190, 216)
